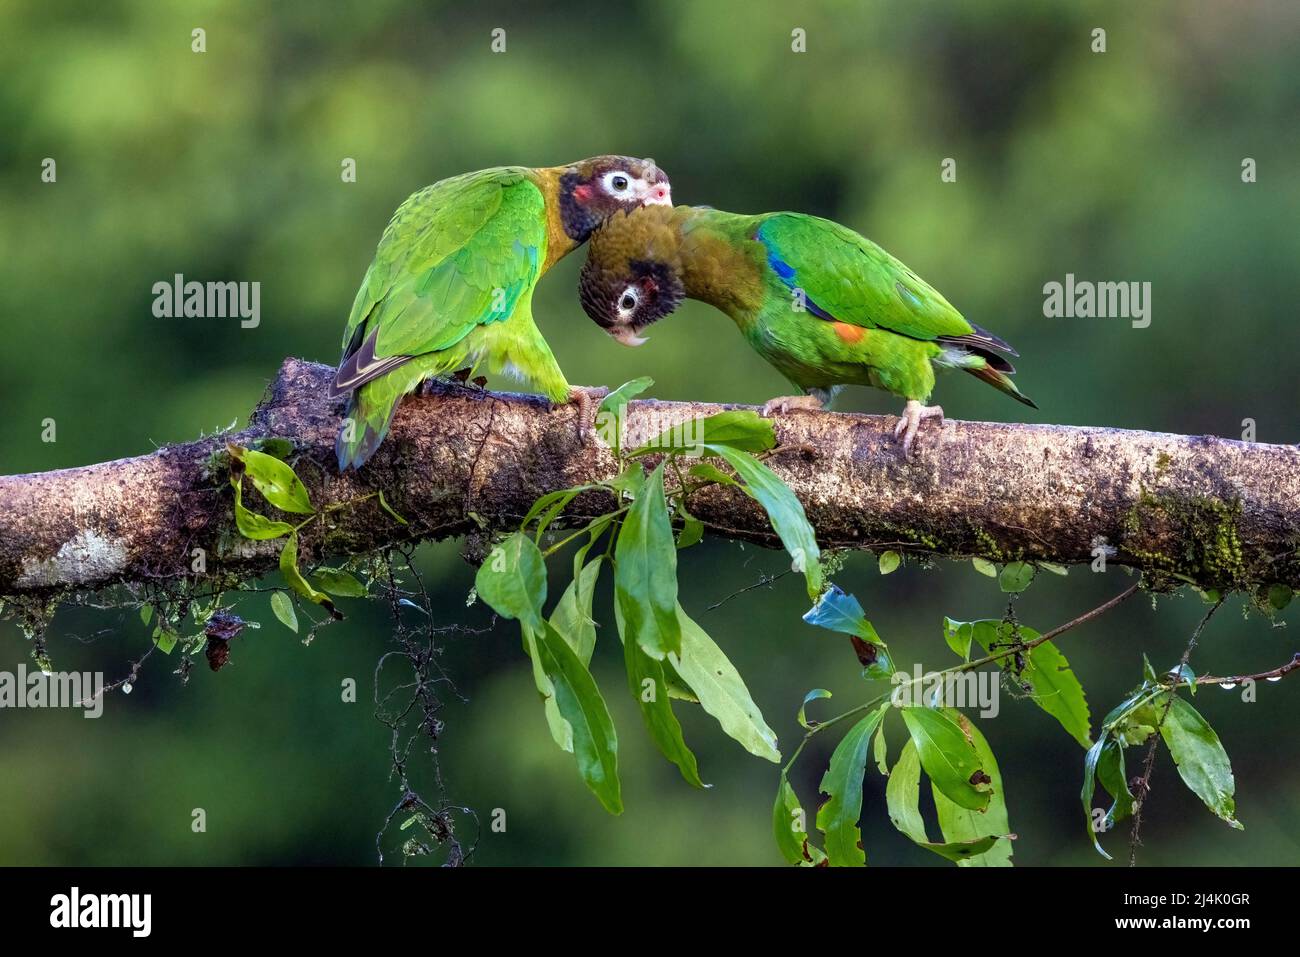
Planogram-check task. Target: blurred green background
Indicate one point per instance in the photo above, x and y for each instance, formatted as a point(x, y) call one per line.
point(226, 166)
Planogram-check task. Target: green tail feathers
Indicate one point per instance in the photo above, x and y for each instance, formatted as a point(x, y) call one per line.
point(364, 426)
point(999, 380)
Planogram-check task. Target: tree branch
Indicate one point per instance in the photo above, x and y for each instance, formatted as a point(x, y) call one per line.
point(463, 461)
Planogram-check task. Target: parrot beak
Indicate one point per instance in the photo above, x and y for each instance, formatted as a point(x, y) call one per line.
point(656, 194)
point(627, 337)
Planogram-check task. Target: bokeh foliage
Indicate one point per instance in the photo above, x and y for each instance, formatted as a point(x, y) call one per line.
point(225, 166)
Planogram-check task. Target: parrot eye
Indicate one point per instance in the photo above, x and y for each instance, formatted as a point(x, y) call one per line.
point(616, 182)
point(628, 302)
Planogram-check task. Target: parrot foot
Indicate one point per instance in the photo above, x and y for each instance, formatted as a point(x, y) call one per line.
point(784, 403)
point(586, 399)
point(914, 413)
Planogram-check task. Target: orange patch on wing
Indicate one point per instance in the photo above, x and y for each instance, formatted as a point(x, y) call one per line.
point(849, 333)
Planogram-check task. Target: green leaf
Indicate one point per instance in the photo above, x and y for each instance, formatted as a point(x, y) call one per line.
point(958, 635)
point(1090, 763)
point(948, 756)
point(881, 753)
point(572, 614)
point(1279, 596)
point(692, 528)
point(625, 393)
point(903, 797)
point(613, 408)
point(289, 569)
point(708, 472)
point(282, 607)
point(275, 480)
point(338, 582)
point(961, 825)
point(790, 827)
point(595, 745)
point(561, 730)
point(255, 526)
point(739, 429)
point(1114, 778)
point(985, 567)
point(842, 783)
point(721, 691)
point(645, 679)
point(383, 503)
point(889, 561)
point(281, 448)
point(146, 614)
point(512, 580)
point(783, 510)
point(165, 639)
point(645, 571)
point(810, 697)
point(1202, 762)
point(1016, 577)
point(1053, 686)
point(1054, 568)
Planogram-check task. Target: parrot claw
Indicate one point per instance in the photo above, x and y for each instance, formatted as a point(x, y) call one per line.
point(784, 403)
point(586, 398)
point(914, 413)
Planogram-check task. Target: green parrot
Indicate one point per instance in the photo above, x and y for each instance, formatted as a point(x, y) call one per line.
point(823, 304)
point(452, 280)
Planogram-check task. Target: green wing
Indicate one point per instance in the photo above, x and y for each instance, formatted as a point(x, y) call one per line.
point(456, 255)
point(849, 278)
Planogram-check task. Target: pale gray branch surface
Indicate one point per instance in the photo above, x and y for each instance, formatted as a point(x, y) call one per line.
point(1220, 512)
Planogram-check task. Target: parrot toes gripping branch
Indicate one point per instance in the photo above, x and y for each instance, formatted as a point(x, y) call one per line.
point(1183, 509)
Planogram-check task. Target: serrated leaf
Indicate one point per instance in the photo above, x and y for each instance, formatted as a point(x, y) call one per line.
point(282, 607)
point(842, 783)
point(784, 511)
point(903, 798)
point(1053, 685)
point(645, 571)
point(948, 756)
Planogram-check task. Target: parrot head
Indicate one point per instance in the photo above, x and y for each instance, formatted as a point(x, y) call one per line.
point(633, 273)
point(592, 190)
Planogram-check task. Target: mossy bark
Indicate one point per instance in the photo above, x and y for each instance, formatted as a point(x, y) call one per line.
point(1198, 509)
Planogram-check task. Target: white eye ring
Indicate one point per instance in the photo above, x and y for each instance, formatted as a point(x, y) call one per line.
point(627, 302)
point(608, 182)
